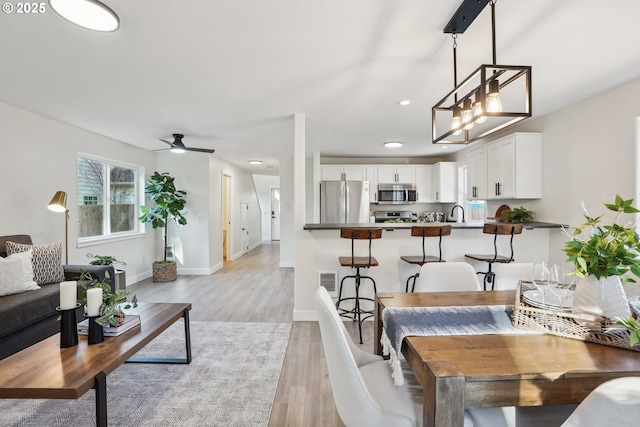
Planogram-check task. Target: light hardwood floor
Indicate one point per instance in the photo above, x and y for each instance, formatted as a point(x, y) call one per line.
point(255, 289)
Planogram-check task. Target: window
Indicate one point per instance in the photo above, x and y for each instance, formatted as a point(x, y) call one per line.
point(108, 194)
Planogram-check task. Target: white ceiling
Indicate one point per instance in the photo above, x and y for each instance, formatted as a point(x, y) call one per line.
point(229, 74)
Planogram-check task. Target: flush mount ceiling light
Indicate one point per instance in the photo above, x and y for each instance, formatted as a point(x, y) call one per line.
point(255, 162)
point(89, 14)
point(393, 144)
point(492, 98)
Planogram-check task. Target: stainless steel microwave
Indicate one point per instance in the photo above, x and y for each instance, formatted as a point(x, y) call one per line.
point(396, 194)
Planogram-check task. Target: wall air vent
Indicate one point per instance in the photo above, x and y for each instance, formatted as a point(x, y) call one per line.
point(329, 279)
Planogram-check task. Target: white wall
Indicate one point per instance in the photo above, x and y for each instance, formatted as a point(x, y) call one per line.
point(39, 158)
point(287, 236)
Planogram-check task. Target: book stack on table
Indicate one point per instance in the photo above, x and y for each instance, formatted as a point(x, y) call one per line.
point(130, 322)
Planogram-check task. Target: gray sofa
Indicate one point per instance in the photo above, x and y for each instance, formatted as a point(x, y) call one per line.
point(31, 316)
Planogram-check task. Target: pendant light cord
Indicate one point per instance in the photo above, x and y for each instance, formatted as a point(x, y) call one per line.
point(454, 36)
point(493, 29)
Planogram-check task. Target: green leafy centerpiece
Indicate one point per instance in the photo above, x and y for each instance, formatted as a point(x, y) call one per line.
point(603, 256)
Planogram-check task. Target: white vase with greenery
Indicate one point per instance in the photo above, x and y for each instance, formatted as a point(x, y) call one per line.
point(603, 256)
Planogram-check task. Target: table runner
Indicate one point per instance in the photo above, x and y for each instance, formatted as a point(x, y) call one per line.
point(401, 322)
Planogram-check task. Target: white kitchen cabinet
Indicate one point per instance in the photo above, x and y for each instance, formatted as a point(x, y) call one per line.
point(392, 174)
point(343, 172)
point(514, 167)
point(444, 182)
point(424, 183)
point(477, 174)
point(372, 177)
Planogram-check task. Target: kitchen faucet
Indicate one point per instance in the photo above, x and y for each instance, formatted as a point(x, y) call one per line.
point(461, 208)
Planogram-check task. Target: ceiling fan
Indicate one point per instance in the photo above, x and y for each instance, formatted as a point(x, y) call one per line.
point(177, 146)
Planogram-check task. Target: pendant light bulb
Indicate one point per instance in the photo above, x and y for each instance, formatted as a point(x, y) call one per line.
point(477, 111)
point(494, 104)
point(467, 116)
point(456, 122)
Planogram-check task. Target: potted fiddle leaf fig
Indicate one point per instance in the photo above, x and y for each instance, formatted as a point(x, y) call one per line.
point(603, 256)
point(169, 206)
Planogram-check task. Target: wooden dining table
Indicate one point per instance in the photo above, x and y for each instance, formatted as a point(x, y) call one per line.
point(475, 371)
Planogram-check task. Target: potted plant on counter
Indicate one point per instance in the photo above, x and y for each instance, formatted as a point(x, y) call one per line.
point(120, 278)
point(603, 256)
point(169, 206)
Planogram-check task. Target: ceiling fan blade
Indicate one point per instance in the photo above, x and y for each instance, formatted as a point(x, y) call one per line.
point(200, 150)
point(165, 141)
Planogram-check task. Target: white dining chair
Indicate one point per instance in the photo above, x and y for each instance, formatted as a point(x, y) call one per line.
point(614, 403)
point(364, 394)
point(447, 276)
point(508, 275)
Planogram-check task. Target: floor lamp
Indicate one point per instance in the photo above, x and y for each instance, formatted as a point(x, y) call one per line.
point(59, 204)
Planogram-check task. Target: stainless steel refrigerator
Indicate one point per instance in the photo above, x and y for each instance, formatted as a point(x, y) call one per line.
point(344, 202)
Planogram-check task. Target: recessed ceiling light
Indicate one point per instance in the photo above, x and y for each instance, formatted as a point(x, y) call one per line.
point(404, 102)
point(255, 162)
point(89, 14)
point(393, 144)
point(444, 147)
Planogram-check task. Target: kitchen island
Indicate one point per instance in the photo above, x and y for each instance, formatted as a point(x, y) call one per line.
point(408, 225)
point(322, 246)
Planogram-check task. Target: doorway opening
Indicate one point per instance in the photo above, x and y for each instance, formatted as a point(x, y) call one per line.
point(275, 214)
point(226, 215)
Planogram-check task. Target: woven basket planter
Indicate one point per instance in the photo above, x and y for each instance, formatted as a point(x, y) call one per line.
point(165, 272)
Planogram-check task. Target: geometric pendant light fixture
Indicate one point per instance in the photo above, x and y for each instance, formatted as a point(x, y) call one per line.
point(491, 98)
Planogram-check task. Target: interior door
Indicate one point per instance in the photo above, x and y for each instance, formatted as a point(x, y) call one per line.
point(244, 244)
point(275, 214)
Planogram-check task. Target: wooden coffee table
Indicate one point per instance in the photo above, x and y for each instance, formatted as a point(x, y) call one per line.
point(46, 371)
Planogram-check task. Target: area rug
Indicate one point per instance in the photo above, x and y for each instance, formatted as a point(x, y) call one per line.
point(230, 382)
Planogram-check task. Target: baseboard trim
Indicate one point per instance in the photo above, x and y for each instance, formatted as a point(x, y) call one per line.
point(305, 315)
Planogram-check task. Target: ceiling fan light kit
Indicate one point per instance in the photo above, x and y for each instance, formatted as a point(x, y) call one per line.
point(501, 93)
point(90, 14)
point(177, 146)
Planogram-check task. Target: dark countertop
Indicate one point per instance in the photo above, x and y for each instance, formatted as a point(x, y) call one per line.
point(407, 225)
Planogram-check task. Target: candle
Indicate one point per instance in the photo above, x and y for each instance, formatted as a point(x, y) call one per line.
point(68, 294)
point(94, 301)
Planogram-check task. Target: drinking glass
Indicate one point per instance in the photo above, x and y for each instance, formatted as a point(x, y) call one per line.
point(540, 277)
point(554, 284)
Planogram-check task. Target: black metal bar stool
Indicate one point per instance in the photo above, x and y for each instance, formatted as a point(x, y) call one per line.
point(357, 262)
point(425, 231)
point(496, 230)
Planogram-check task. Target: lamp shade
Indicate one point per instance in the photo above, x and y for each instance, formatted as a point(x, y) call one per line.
point(59, 202)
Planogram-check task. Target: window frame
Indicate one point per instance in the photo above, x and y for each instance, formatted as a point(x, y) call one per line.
point(138, 197)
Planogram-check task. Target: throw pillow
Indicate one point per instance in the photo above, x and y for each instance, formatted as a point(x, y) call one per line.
point(16, 274)
point(47, 264)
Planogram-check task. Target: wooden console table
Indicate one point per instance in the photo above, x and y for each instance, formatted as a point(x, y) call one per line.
point(46, 371)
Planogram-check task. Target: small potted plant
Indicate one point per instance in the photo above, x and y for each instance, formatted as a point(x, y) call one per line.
point(603, 256)
point(519, 215)
point(120, 278)
point(111, 313)
point(169, 206)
